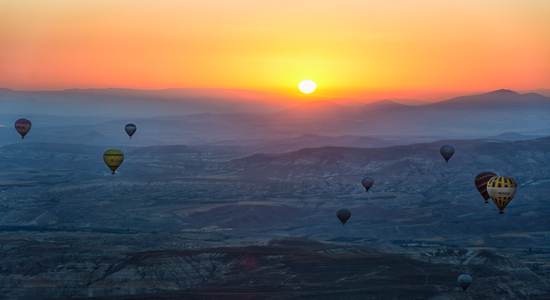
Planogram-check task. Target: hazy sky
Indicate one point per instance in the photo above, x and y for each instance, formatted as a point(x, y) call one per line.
point(356, 48)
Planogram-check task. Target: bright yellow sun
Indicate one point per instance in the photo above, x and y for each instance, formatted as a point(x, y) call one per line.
point(307, 86)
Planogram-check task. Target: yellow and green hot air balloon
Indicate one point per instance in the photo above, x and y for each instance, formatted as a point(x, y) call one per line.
point(113, 159)
point(501, 189)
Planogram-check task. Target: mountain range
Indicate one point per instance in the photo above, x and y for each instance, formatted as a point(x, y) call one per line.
point(386, 121)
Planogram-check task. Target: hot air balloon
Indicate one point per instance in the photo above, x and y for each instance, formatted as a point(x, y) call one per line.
point(501, 189)
point(22, 126)
point(481, 184)
point(447, 151)
point(343, 214)
point(464, 280)
point(113, 159)
point(130, 129)
point(367, 182)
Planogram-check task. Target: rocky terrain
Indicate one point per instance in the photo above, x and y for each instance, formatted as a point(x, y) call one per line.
point(214, 222)
point(285, 268)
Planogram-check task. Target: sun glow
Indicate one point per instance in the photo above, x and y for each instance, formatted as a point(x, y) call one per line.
point(307, 86)
point(354, 49)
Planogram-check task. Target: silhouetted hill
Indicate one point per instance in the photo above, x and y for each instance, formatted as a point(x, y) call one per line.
point(500, 99)
point(472, 116)
point(384, 105)
point(95, 138)
point(544, 92)
point(514, 136)
point(315, 141)
point(140, 103)
point(410, 102)
point(314, 110)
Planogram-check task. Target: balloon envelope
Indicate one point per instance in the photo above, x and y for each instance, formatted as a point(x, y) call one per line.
point(502, 190)
point(343, 215)
point(113, 158)
point(367, 182)
point(130, 129)
point(464, 280)
point(481, 184)
point(447, 151)
point(22, 126)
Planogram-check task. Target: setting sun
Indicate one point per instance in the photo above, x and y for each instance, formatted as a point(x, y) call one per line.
point(307, 86)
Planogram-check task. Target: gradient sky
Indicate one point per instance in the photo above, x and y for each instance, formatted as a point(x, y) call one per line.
point(416, 49)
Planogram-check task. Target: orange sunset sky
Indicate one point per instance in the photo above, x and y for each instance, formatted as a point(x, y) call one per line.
point(419, 49)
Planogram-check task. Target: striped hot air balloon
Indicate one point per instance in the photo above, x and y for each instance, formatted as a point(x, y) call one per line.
point(481, 184)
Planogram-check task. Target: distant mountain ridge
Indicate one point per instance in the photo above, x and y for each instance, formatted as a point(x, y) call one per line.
point(132, 102)
point(498, 98)
point(197, 122)
point(190, 101)
point(544, 92)
point(514, 136)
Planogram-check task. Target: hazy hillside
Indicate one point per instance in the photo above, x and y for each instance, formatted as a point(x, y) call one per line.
point(140, 103)
point(544, 92)
point(161, 188)
point(513, 136)
point(467, 117)
point(500, 98)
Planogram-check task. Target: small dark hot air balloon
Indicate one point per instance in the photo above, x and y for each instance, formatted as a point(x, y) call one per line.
point(130, 129)
point(113, 159)
point(502, 190)
point(481, 184)
point(367, 182)
point(465, 281)
point(343, 215)
point(447, 151)
point(22, 126)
